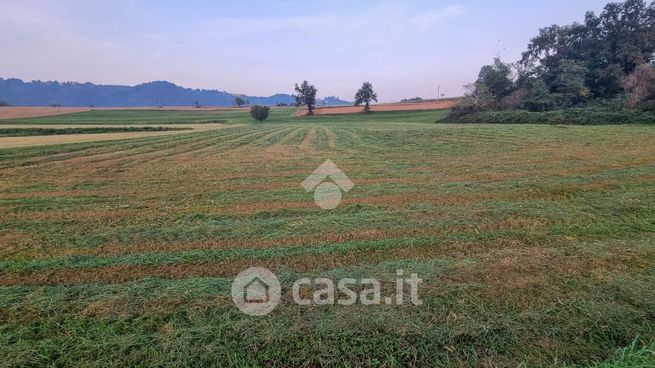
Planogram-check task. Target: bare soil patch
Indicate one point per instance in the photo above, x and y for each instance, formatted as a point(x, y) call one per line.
point(32, 112)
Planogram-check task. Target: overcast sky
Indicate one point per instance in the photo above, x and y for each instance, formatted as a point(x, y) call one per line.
point(405, 48)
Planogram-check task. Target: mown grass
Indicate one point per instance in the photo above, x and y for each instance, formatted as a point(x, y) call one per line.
point(535, 243)
point(277, 115)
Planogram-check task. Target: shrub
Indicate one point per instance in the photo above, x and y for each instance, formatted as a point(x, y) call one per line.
point(259, 113)
point(411, 100)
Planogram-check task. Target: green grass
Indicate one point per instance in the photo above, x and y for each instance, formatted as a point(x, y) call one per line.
point(129, 117)
point(535, 243)
point(277, 115)
point(23, 132)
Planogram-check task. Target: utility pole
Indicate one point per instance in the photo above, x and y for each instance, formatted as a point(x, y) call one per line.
point(438, 92)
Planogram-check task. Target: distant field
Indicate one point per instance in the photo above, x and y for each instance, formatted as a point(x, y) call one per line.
point(409, 106)
point(536, 243)
point(19, 132)
point(31, 112)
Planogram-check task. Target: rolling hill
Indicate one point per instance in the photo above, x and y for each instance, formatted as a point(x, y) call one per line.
point(159, 93)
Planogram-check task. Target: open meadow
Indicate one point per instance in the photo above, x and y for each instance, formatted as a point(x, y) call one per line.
point(535, 243)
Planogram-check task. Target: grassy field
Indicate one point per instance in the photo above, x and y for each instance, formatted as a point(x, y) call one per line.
point(535, 243)
point(127, 117)
point(22, 132)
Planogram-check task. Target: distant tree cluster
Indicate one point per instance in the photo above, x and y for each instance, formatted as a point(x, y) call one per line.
point(240, 102)
point(412, 100)
point(4, 104)
point(607, 58)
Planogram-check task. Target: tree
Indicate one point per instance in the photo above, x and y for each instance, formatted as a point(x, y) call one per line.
point(4, 104)
point(497, 79)
point(306, 96)
point(568, 80)
point(477, 98)
point(609, 46)
point(640, 85)
point(239, 101)
point(365, 95)
point(538, 96)
point(259, 113)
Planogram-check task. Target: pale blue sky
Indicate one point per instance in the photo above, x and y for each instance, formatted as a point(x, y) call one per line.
point(405, 48)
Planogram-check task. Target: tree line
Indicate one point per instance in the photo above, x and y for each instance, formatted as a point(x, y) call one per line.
point(306, 96)
point(606, 61)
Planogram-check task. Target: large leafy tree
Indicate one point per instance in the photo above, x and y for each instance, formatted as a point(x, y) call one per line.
point(365, 95)
point(496, 79)
point(568, 80)
point(608, 46)
point(306, 96)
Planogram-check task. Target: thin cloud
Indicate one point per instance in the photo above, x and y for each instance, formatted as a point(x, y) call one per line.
point(437, 16)
point(373, 19)
point(242, 25)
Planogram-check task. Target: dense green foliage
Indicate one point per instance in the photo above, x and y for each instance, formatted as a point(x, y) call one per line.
point(259, 113)
point(365, 95)
point(305, 96)
point(608, 57)
point(581, 116)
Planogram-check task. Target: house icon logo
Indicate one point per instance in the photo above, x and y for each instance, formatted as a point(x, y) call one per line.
point(327, 194)
point(256, 291)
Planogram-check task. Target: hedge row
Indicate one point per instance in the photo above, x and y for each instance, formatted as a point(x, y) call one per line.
point(577, 116)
